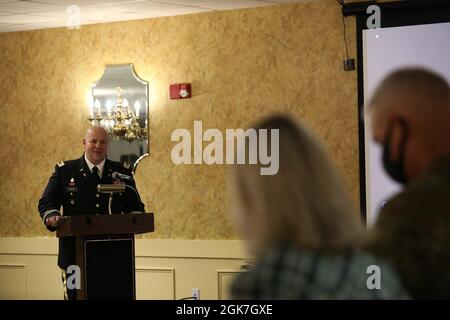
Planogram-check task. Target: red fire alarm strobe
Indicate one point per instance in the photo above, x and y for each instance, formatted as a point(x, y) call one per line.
point(180, 91)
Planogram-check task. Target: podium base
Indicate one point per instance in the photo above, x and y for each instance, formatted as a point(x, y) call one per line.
point(109, 265)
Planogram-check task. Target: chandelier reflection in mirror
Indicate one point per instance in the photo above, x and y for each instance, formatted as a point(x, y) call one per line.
point(121, 121)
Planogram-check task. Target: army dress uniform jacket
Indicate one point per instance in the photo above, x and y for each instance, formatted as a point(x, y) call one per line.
point(73, 187)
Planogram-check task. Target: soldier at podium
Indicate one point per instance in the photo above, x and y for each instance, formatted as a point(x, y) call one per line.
point(73, 185)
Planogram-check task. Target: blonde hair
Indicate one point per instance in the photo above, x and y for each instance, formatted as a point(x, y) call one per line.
point(303, 204)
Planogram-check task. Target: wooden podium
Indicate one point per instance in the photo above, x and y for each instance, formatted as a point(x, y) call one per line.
point(104, 248)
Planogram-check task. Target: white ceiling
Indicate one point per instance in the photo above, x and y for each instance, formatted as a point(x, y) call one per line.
point(20, 15)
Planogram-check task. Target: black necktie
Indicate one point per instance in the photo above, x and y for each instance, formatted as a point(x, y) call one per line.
point(95, 175)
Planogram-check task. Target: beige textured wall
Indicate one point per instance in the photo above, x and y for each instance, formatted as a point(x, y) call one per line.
point(242, 64)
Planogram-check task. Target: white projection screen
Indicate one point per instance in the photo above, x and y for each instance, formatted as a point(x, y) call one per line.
point(384, 50)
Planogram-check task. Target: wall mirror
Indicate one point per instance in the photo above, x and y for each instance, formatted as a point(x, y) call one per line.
point(120, 104)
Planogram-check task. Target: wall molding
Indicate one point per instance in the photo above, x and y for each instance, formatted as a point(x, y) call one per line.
point(162, 248)
point(4, 268)
point(221, 286)
point(153, 270)
point(165, 269)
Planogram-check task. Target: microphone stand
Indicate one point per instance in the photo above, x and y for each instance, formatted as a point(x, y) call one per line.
point(110, 202)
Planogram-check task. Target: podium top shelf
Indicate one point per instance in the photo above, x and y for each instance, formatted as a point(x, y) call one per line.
point(82, 225)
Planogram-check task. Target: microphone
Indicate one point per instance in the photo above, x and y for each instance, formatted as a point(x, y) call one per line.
point(121, 176)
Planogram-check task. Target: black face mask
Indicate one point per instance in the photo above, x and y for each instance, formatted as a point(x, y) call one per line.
point(396, 169)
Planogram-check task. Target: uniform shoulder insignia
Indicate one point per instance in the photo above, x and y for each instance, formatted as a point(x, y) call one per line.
point(61, 163)
point(126, 165)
